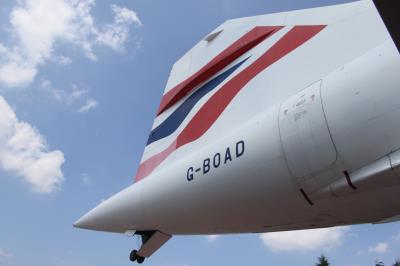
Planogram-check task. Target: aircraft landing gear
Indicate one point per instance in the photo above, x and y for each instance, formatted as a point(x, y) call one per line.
point(151, 241)
point(135, 257)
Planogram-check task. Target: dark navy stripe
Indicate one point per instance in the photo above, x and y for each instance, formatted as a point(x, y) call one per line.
point(169, 125)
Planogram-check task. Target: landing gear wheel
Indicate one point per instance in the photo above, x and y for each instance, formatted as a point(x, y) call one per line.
point(133, 256)
point(140, 259)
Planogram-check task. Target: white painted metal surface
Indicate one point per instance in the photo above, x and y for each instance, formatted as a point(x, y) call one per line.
point(280, 154)
point(304, 133)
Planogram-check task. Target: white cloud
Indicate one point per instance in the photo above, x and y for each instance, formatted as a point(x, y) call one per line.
point(15, 74)
point(37, 25)
point(4, 255)
point(24, 152)
point(62, 60)
point(90, 104)
point(116, 34)
point(380, 248)
point(77, 92)
point(304, 240)
point(64, 96)
point(212, 238)
point(125, 15)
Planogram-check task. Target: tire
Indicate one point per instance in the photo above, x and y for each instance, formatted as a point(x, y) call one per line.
point(133, 256)
point(140, 260)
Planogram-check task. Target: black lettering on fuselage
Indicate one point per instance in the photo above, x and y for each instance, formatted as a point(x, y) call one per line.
point(189, 174)
point(239, 148)
point(217, 160)
point(228, 156)
point(206, 166)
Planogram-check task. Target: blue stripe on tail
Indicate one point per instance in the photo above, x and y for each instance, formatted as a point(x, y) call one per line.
point(169, 125)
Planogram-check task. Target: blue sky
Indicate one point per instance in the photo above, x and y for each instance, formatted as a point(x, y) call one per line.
point(80, 82)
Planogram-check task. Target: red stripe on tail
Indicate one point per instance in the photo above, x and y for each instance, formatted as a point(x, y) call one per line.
point(238, 48)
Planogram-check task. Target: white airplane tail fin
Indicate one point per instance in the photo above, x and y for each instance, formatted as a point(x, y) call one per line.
point(190, 108)
point(230, 76)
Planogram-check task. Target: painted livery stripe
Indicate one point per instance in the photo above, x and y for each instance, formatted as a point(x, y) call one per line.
point(213, 108)
point(238, 48)
point(169, 125)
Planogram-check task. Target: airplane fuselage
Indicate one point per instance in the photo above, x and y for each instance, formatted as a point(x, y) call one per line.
point(243, 183)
